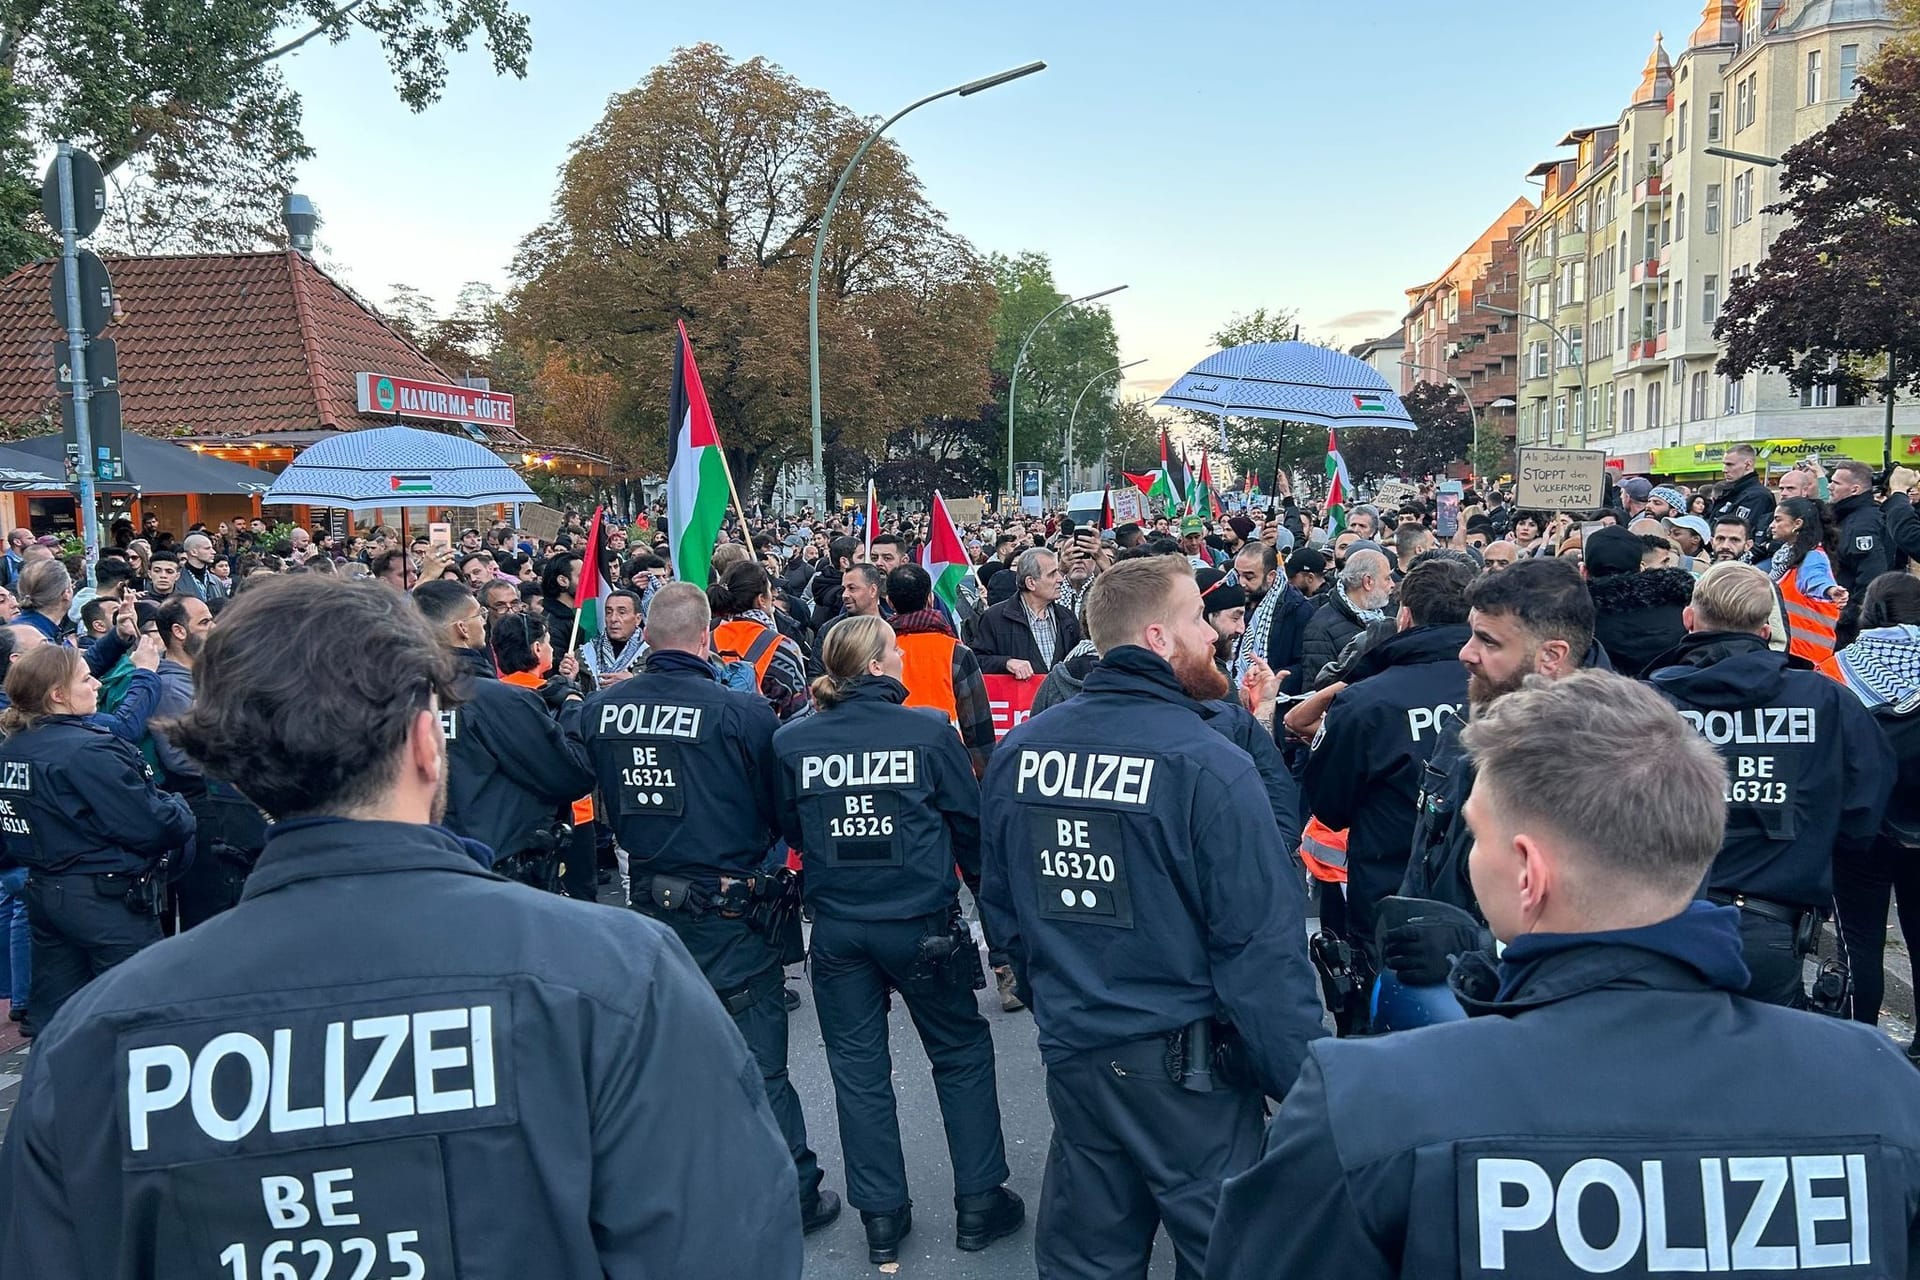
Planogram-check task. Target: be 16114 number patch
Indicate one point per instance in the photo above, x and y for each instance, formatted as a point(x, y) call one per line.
point(1080, 858)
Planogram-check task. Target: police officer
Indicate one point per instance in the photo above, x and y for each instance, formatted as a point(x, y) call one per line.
point(1745, 493)
point(686, 767)
point(512, 765)
point(1620, 1108)
point(79, 809)
point(385, 1059)
point(1363, 774)
point(1862, 550)
point(883, 800)
point(1808, 772)
point(1156, 921)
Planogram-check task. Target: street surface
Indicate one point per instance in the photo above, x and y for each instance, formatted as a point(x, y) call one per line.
point(840, 1250)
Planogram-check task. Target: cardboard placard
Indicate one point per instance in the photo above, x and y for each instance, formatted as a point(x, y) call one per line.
point(1560, 480)
point(1129, 506)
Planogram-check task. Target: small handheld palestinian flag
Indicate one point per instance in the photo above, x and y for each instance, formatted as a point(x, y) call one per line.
point(872, 516)
point(1166, 488)
point(591, 592)
point(1337, 483)
point(944, 556)
point(1106, 509)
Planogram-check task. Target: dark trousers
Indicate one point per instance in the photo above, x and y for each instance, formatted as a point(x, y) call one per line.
point(1774, 961)
point(1131, 1151)
point(760, 1011)
point(210, 885)
point(854, 962)
point(581, 876)
point(1864, 885)
point(81, 926)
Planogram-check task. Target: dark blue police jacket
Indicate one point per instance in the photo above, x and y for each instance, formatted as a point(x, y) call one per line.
point(1363, 775)
point(1808, 768)
point(1130, 868)
point(77, 797)
point(1622, 1112)
point(387, 1055)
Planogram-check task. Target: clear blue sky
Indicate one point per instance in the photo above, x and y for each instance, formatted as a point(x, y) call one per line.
point(1215, 158)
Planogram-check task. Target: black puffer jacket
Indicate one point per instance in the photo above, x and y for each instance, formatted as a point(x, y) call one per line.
point(1327, 633)
point(1637, 616)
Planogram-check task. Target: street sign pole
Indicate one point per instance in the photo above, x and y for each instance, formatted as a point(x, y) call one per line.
point(77, 350)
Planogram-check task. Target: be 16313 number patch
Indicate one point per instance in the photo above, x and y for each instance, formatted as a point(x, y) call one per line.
point(1080, 858)
point(650, 780)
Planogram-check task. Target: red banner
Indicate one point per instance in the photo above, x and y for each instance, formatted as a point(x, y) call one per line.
point(1011, 700)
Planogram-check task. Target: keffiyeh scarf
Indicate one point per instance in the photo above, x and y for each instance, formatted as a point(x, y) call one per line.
point(1882, 667)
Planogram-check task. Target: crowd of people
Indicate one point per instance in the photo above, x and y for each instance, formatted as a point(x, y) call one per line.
point(1566, 792)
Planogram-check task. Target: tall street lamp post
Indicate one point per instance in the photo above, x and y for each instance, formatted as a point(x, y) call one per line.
point(820, 247)
point(1013, 380)
point(1472, 412)
point(1578, 357)
point(1119, 368)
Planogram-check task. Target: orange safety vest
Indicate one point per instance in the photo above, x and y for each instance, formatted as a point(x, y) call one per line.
point(743, 640)
point(1324, 850)
point(1811, 622)
point(583, 807)
point(927, 671)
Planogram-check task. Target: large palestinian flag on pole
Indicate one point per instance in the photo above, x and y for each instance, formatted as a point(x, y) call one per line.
point(944, 556)
point(1337, 484)
point(591, 592)
point(1201, 499)
point(696, 471)
point(1168, 487)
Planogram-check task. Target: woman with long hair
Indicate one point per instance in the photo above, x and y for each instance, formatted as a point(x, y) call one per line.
point(80, 810)
point(882, 798)
point(1804, 575)
point(1882, 668)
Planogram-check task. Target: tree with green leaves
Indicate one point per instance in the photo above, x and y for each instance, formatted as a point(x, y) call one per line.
point(1076, 347)
point(184, 104)
point(1839, 290)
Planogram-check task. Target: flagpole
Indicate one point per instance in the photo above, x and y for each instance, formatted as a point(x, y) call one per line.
point(734, 493)
point(593, 549)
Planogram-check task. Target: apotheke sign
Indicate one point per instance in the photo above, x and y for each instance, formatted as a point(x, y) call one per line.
point(409, 398)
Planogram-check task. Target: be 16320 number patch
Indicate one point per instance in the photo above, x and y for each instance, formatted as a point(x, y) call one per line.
point(1080, 858)
point(650, 780)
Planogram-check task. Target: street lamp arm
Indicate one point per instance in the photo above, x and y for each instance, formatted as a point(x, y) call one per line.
point(1075, 415)
point(1013, 379)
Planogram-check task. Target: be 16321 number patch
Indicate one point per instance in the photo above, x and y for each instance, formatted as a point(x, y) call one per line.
point(650, 780)
point(1081, 864)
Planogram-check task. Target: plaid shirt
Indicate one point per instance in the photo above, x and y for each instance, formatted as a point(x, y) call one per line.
point(970, 705)
point(1044, 632)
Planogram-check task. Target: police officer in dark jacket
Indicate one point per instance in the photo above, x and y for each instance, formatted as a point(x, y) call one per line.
point(1745, 493)
point(1363, 774)
point(1618, 1107)
point(1862, 550)
point(686, 768)
point(1808, 772)
point(883, 799)
point(512, 765)
point(1156, 922)
point(79, 809)
point(385, 1059)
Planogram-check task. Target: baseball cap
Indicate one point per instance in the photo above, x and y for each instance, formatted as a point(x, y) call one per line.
point(1636, 487)
point(1192, 524)
point(1693, 523)
point(1611, 550)
point(1306, 560)
point(1219, 591)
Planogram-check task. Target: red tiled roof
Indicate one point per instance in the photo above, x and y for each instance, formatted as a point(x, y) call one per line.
point(212, 345)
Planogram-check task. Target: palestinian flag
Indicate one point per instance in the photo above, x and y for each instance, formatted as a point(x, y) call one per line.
point(696, 471)
point(872, 518)
point(1201, 500)
point(944, 556)
point(1368, 402)
point(411, 484)
point(1106, 509)
point(1337, 482)
point(1168, 487)
point(1143, 483)
point(591, 592)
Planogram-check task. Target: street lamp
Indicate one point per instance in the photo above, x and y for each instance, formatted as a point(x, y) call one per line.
point(966, 90)
point(1013, 381)
point(1748, 157)
point(1119, 368)
point(1578, 357)
point(1472, 412)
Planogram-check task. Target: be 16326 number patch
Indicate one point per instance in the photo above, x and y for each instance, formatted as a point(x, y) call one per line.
point(650, 780)
point(863, 828)
point(1080, 858)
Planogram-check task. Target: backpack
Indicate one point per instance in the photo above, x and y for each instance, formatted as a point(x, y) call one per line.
point(738, 676)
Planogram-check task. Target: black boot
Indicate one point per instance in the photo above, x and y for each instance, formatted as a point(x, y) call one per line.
point(824, 1209)
point(885, 1231)
point(984, 1218)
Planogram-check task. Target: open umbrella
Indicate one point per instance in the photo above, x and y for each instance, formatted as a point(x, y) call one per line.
point(1292, 381)
point(397, 467)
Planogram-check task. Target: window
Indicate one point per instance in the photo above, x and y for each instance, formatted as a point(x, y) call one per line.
point(1710, 299)
point(1560, 417)
point(1653, 405)
point(1537, 358)
point(1609, 402)
point(1711, 215)
point(1626, 409)
point(1813, 76)
point(1740, 106)
point(1680, 216)
point(1713, 114)
point(1573, 342)
point(1818, 396)
point(1622, 328)
point(1679, 303)
point(1697, 397)
point(1683, 126)
point(1734, 388)
point(1742, 197)
point(1849, 68)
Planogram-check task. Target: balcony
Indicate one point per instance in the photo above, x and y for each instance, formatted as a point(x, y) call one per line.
point(1666, 258)
point(1660, 345)
point(1646, 271)
point(1641, 349)
point(1567, 378)
point(1573, 245)
point(1649, 190)
point(1539, 270)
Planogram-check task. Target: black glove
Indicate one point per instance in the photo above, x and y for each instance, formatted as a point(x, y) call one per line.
point(1421, 939)
point(555, 692)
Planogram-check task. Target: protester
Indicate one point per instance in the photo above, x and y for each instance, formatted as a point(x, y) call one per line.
point(1360, 597)
point(1024, 636)
point(1637, 612)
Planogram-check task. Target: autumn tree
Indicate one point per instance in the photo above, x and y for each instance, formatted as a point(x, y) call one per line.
point(1076, 347)
point(184, 104)
point(697, 197)
point(1839, 290)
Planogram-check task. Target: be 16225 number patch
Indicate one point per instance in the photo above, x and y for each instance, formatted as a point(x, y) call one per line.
point(1081, 864)
point(650, 781)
